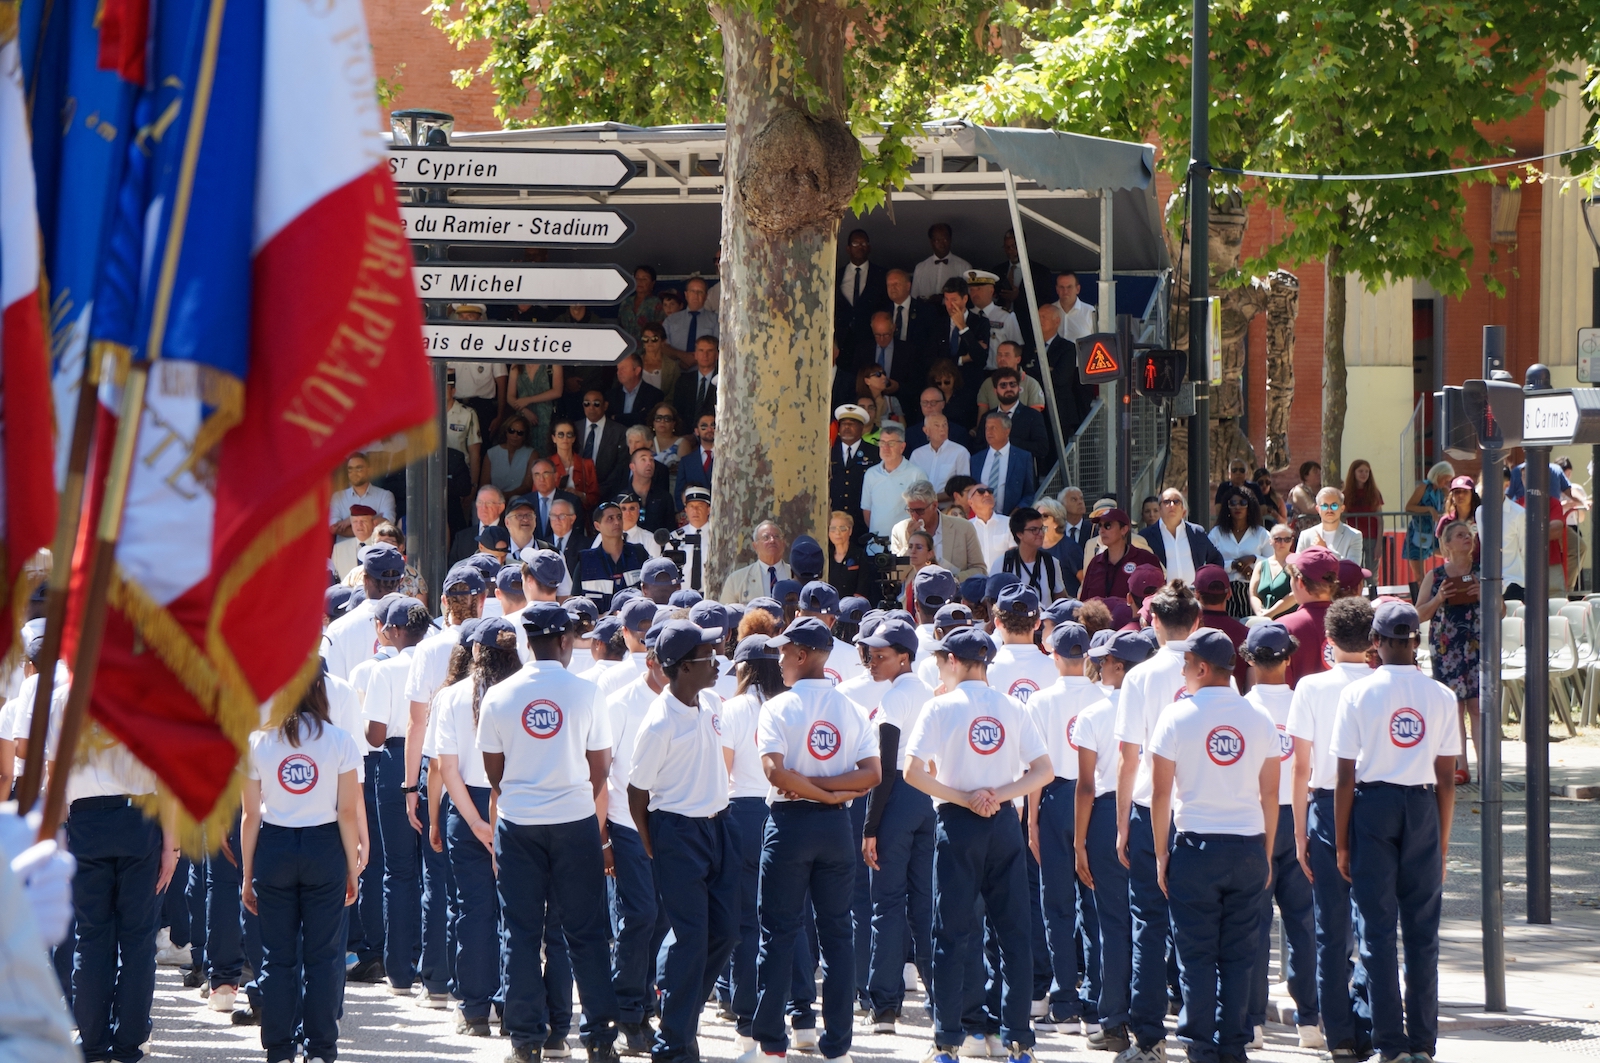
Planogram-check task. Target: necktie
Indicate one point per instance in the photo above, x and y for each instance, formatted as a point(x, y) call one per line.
point(694, 327)
point(589, 443)
point(899, 322)
point(857, 294)
point(772, 579)
point(955, 340)
point(700, 401)
point(705, 461)
point(544, 513)
point(996, 475)
point(883, 358)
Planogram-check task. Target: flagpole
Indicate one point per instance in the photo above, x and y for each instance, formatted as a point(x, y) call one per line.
point(101, 560)
point(55, 609)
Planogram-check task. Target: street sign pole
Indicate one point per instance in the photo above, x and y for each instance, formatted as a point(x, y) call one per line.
point(1490, 600)
point(427, 518)
point(1536, 648)
point(1125, 414)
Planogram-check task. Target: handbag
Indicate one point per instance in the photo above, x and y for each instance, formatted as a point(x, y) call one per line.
point(1420, 535)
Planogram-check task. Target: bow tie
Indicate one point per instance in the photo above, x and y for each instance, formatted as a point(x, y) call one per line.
point(942, 261)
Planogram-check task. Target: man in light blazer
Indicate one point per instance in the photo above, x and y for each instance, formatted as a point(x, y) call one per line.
point(956, 539)
point(756, 579)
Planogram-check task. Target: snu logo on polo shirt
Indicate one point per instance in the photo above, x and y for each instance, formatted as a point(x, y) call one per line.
point(823, 740)
point(1072, 732)
point(1225, 746)
point(832, 676)
point(1406, 728)
point(297, 773)
point(1327, 654)
point(542, 719)
point(1023, 689)
point(986, 735)
point(1285, 743)
point(716, 723)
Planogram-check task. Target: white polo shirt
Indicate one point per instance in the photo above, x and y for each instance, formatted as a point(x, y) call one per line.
point(546, 721)
point(882, 491)
point(1019, 669)
point(817, 730)
point(844, 662)
point(300, 784)
point(351, 639)
point(1217, 742)
point(475, 380)
point(994, 536)
point(677, 756)
point(1312, 712)
point(741, 717)
point(360, 677)
point(625, 711)
point(1151, 686)
point(975, 737)
point(386, 701)
point(344, 709)
point(620, 674)
point(901, 707)
point(863, 690)
point(1394, 723)
point(454, 732)
point(1274, 701)
point(430, 664)
point(1057, 711)
point(1095, 730)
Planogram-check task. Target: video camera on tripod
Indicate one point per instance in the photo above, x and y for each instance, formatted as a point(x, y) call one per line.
point(893, 570)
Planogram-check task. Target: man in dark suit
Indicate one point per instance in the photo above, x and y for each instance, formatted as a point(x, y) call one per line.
point(863, 290)
point(848, 462)
point(695, 469)
point(1202, 551)
point(488, 510)
point(912, 317)
point(600, 438)
point(1016, 485)
point(1028, 429)
point(1010, 290)
point(696, 392)
point(545, 493)
point(962, 336)
point(564, 538)
point(930, 403)
point(899, 360)
point(1073, 398)
point(631, 398)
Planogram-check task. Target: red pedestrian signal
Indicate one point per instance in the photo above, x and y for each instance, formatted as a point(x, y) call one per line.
point(1099, 358)
point(1160, 374)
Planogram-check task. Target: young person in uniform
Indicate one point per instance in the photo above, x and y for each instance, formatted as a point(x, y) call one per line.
point(1268, 648)
point(862, 688)
point(821, 601)
point(366, 918)
point(546, 747)
point(1052, 825)
point(897, 842)
point(974, 751)
point(1311, 717)
point(819, 753)
point(678, 793)
point(299, 859)
point(1396, 736)
point(1314, 577)
point(1214, 776)
point(1148, 690)
point(1095, 831)
point(351, 639)
point(947, 619)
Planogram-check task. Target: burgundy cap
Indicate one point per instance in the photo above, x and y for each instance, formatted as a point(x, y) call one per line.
point(1463, 483)
point(359, 510)
point(1114, 516)
point(1146, 579)
point(1316, 563)
point(1351, 575)
point(1211, 579)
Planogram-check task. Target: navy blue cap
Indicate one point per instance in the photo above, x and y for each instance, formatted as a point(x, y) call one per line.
point(805, 631)
point(33, 637)
point(521, 502)
point(1395, 620)
point(601, 508)
point(769, 605)
point(382, 561)
point(488, 632)
point(494, 537)
point(1211, 646)
point(582, 607)
point(1127, 646)
point(465, 579)
point(509, 579)
point(468, 626)
point(397, 612)
point(654, 632)
point(952, 615)
point(1150, 639)
point(1100, 638)
point(545, 618)
point(853, 608)
point(968, 644)
point(660, 570)
point(1268, 641)
point(605, 629)
point(711, 616)
point(1018, 599)
point(547, 568)
point(785, 587)
point(869, 623)
point(736, 612)
point(637, 614)
point(687, 598)
point(679, 639)
point(999, 582)
point(335, 600)
point(754, 648)
point(973, 589)
point(933, 585)
point(806, 557)
point(1069, 639)
point(488, 567)
point(357, 596)
point(894, 633)
point(622, 597)
point(1062, 610)
point(819, 597)
point(900, 614)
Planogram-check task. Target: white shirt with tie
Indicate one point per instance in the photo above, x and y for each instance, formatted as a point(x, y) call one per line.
point(901, 312)
point(994, 475)
point(927, 280)
point(589, 437)
point(703, 384)
point(1080, 532)
point(852, 280)
point(677, 326)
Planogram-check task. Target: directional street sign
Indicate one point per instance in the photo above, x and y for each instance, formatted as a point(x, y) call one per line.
point(498, 341)
point(1556, 418)
point(1549, 418)
point(589, 171)
point(529, 225)
point(590, 285)
point(1099, 358)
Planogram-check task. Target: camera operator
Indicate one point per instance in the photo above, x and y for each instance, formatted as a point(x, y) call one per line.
point(687, 545)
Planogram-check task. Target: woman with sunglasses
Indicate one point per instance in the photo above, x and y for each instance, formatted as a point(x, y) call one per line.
point(509, 462)
point(659, 372)
point(960, 402)
point(575, 471)
point(533, 391)
point(1242, 542)
point(1269, 582)
point(872, 380)
point(664, 438)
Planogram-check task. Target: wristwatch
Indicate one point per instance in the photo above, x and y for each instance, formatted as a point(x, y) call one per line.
point(409, 789)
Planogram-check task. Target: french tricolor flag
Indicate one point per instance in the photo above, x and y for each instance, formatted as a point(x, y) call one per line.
point(27, 486)
point(259, 269)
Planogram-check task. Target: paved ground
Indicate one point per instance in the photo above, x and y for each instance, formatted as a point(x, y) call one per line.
point(1553, 972)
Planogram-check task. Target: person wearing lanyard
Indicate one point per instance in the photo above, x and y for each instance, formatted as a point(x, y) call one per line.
point(299, 859)
point(1095, 833)
point(546, 748)
point(975, 751)
point(612, 563)
point(818, 752)
point(1052, 822)
point(1396, 738)
point(897, 842)
point(1214, 776)
point(678, 794)
point(1150, 688)
point(1347, 1031)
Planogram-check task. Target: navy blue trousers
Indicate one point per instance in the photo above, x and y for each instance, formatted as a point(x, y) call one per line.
point(1341, 991)
point(477, 911)
point(225, 919)
point(300, 875)
point(1111, 913)
point(700, 865)
point(861, 904)
point(366, 920)
point(636, 916)
point(1292, 890)
point(1216, 884)
point(402, 869)
point(1147, 1001)
point(902, 897)
point(1068, 907)
point(437, 966)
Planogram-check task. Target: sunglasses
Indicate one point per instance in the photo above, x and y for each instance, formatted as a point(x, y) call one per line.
point(1238, 503)
point(515, 432)
point(652, 339)
point(981, 490)
point(1283, 538)
point(592, 405)
point(665, 417)
point(1172, 501)
point(566, 435)
point(1328, 505)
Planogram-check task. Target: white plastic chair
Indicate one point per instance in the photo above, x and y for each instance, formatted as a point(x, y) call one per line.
point(1512, 668)
point(1563, 667)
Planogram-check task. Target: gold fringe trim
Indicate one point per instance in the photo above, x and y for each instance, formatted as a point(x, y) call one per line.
point(8, 21)
point(103, 355)
point(157, 628)
point(289, 695)
point(224, 392)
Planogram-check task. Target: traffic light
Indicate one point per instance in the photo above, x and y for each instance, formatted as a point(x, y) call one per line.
point(1160, 374)
point(1099, 358)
